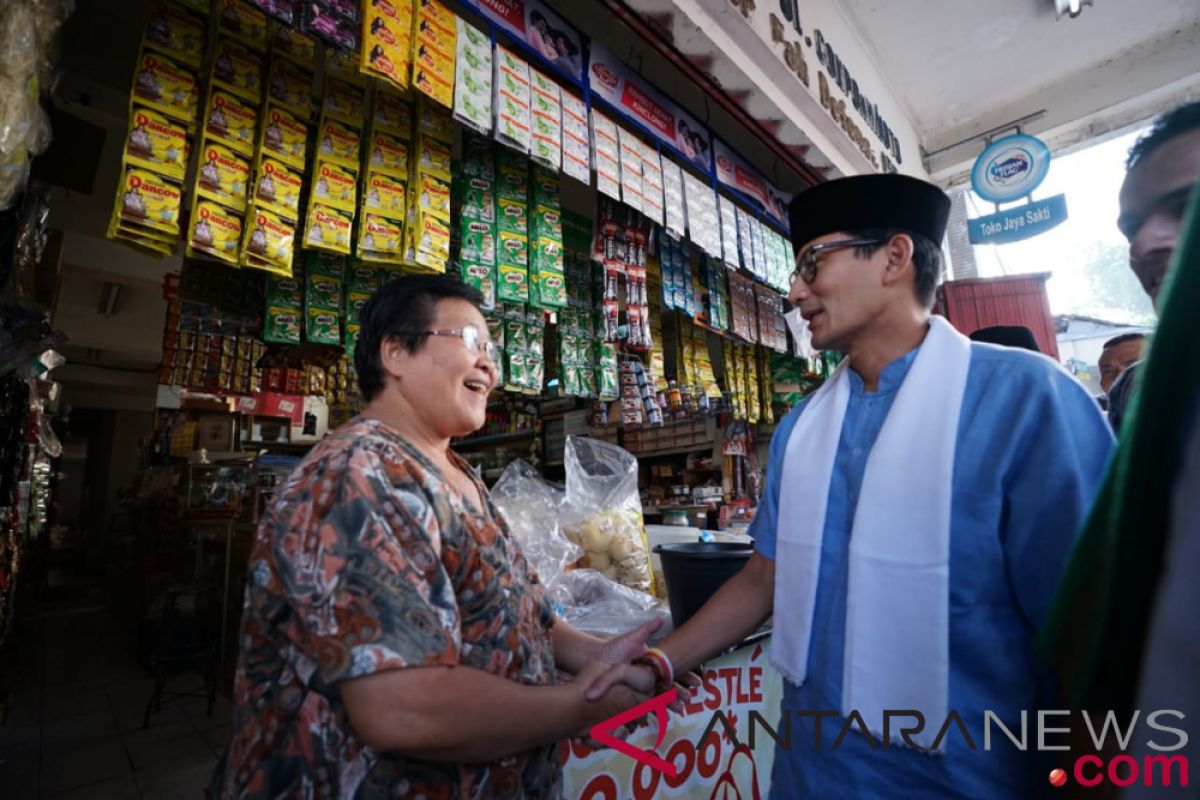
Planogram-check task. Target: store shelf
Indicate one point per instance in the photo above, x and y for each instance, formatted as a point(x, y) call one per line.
point(258, 445)
point(705, 447)
point(484, 442)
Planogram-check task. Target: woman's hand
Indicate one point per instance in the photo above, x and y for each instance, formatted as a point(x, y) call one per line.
point(628, 646)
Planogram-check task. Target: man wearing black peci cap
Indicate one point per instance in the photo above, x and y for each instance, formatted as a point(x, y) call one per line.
point(918, 510)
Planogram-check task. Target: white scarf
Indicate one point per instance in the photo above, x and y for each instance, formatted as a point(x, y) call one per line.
point(897, 637)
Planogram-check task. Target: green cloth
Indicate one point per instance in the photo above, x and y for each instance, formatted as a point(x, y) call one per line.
point(1095, 633)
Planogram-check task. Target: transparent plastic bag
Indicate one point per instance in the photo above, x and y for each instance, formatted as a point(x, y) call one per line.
point(590, 602)
point(531, 505)
point(602, 512)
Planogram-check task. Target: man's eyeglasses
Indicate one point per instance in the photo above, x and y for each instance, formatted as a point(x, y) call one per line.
point(806, 262)
point(472, 337)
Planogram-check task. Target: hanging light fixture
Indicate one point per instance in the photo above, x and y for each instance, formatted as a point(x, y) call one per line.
point(1071, 8)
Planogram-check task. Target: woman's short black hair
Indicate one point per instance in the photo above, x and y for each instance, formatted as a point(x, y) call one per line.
point(404, 308)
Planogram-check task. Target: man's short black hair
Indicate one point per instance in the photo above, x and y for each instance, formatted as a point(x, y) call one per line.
point(1122, 339)
point(927, 258)
point(405, 308)
point(1171, 124)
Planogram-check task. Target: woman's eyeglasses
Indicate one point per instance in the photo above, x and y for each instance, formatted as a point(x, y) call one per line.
point(806, 263)
point(472, 337)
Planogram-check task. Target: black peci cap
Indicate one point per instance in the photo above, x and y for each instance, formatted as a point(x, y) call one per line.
point(869, 201)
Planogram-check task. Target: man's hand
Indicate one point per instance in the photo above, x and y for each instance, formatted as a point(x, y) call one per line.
point(620, 695)
point(628, 646)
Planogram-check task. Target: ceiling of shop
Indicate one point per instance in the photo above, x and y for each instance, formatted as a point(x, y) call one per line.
point(961, 68)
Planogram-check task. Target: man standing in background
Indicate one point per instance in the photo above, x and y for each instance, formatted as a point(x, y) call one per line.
point(1161, 170)
point(1119, 354)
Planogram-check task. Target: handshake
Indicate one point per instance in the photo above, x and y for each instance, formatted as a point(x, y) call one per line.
point(622, 673)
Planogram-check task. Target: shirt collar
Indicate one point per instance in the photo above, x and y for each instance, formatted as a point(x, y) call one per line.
point(890, 379)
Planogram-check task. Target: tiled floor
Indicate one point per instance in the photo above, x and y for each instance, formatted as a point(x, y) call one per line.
point(74, 727)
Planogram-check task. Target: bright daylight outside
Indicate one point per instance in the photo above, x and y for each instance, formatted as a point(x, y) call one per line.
point(1087, 255)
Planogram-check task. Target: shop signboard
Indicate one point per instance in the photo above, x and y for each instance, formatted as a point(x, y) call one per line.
point(1010, 168)
point(708, 762)
point(627, 93)
point(539, 28)
point(734, 172)
point(1022, 222)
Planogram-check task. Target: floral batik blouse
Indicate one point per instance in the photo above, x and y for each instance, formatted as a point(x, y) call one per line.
point(367, 561)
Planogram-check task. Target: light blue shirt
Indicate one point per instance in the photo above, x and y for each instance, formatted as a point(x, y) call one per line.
point(1032, 448)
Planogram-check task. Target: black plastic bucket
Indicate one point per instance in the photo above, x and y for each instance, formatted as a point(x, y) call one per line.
point(695, 570)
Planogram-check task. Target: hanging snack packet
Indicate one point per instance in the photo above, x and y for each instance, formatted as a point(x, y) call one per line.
point(165, 86)
point(269, 239)
point(344, 101)
point(513, 100)
point(335, 185)
point(282, 325)
point(284, 136)
point(393, 114)
point(238, 69)
point(289, 42)
point(239, 19)
point(380, 237)
point(328, 229)
point(388, 155)
point(576, 152)
point(278, 188)
point(387, 42)
point(384, 194)
point(290, 86)
point(150, 201)
point(339, 142)
point(231, 120)
point(177, 32)
point(473, 78)
point(157, 142)
point(216, 231)
point(223, 176)
point(323, 326)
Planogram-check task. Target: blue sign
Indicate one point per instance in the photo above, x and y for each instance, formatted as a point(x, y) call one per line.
point(1010, 168)
point(1015, 224)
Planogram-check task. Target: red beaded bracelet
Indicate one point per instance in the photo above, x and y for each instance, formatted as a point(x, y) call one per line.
point(660, 665)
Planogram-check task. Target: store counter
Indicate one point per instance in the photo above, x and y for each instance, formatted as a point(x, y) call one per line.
point(735, 684)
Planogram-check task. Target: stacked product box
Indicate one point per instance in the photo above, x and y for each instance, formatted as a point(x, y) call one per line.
point(230, 135)
point(333, 199)
point(383, 201)
point(434, 40)
point(576, 354)
point(524, 354)
point(473, 78)
point(717, 294)
point(512, 216)
point(547, 272)
point(512, 100)
point(334, 22)
point(284, 312)
point(361, 282)
point(577, 234)
point(323, 299)
point(386, 51)
point(427, 239)
point(273, 211)
point(476, 190)
point(162, 118)
point(546, 115)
